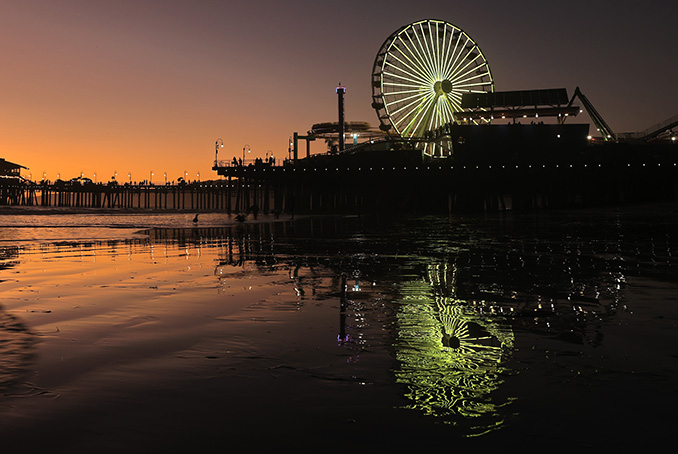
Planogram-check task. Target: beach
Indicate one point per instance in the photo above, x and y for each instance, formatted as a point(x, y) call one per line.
point(148, 332)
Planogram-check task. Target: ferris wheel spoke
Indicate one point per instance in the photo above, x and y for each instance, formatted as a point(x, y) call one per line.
point(412, 56)
point(398, 84)
point(463, 71)
point(435, 51)
point(405, 92)
point(441, 46)
point(410, 71)
point(455, 94)
point(426, 112)
point(457, 67)
point(444, 115)
point(456, 106)
point(449, 57)
point(419, 113)
point(410, 110)
point(417, 100)
point(471, 70)
point(404, 50)
point(435, 46)
point(456, 55)
point(429, 51)
point(472, 85)
point(416, 52)
point(434, 116)
point(449, 108)
point(423, 51)
point(397, 76)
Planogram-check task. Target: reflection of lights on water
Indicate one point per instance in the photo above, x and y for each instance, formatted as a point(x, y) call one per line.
point(450, 355)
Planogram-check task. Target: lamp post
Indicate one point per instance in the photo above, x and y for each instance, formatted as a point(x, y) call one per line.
point(165, 178)
point(219, 144)
point(95, 177)
point(246, 147)
point(198, 176)
point(150, 181)
point(289, 150)
point(129, 174)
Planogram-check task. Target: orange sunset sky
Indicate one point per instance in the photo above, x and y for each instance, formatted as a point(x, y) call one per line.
point(148, 86)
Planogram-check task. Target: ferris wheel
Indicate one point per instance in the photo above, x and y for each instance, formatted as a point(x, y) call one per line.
point(419, 75)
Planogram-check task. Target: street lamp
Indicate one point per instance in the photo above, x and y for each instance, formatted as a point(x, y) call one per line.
point(95, 177)
point(198, 176)
point(246, 147)
point(219, 144)
point(150, 181)
point(129, 174)
point(165, 177)
point(289, 151)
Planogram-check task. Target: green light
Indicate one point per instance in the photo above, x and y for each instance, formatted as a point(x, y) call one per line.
point(450, 355)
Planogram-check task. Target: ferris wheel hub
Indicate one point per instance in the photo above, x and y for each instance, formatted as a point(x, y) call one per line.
point(443, 86)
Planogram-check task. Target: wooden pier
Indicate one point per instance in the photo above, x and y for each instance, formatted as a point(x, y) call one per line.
point(389, 182)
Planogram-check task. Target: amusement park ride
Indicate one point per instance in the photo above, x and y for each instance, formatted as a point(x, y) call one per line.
point(446, 140)
point(430, 77)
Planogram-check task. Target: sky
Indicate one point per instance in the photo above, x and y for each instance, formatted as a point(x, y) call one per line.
point(146, 87)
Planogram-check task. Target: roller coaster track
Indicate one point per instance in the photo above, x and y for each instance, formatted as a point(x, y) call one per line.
point(651, 132)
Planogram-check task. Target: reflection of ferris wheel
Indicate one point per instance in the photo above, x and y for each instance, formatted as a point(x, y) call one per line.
point(419, 76)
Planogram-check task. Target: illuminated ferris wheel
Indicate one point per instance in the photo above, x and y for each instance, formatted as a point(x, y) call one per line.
point(419, 76)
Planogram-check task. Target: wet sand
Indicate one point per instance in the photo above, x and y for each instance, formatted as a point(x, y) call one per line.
point(227, 337)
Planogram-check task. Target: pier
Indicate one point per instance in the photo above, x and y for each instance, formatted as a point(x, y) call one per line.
point(391, 181)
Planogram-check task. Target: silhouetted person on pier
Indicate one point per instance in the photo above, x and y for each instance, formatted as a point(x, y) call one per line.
point(195, 219)
point(240, 218)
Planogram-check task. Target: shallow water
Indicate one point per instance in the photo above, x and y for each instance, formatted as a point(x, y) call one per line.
point(537, 331)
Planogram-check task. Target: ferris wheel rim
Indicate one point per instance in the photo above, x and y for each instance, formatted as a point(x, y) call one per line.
point(418, 78)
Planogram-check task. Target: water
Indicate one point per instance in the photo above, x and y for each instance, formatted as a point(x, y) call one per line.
point(149, 333)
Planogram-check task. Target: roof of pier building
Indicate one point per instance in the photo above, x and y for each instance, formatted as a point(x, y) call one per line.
point(552, 102)
point(8, 168)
